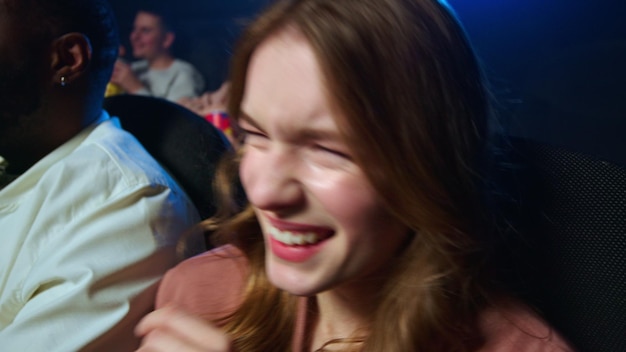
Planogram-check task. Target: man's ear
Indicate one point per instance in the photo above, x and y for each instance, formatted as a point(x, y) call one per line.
point(168, 41)
point(71, 55)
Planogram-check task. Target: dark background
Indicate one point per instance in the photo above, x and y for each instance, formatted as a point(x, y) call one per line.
point(557, 66)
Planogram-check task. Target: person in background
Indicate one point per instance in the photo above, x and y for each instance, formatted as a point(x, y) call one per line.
point(89, 221)
point(112, 88)
point(157, 72)
point(366, 161)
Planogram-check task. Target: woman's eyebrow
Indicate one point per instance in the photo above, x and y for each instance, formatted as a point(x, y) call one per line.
point(320, 134)
point(244, 117)
point(309, 133)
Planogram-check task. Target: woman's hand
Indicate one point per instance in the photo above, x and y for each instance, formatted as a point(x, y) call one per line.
point(219, 98)
point(208, 102)
point(172, 329)
point(200, 105)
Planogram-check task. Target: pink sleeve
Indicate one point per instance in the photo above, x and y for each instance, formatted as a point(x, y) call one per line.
point(513, 327)
point(209, 285)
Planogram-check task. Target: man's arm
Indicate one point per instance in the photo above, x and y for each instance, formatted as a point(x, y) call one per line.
point(95, 276)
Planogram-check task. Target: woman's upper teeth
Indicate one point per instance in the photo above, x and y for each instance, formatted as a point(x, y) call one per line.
point(291, 238)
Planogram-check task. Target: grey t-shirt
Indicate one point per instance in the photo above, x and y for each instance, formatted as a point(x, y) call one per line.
point(180, 80)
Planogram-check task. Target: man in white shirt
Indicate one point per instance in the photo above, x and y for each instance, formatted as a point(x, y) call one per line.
point(89, 221)
point(157, 72)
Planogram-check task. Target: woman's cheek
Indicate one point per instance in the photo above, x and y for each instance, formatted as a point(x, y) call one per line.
point(247, 164)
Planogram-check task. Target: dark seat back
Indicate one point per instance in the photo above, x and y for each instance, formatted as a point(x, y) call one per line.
point(185, 144)
point(570, 258)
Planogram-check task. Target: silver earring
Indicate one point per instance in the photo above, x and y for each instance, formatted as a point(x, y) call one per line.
point(63, 81)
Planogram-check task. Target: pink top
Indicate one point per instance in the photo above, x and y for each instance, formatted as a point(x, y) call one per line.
point(211, 285)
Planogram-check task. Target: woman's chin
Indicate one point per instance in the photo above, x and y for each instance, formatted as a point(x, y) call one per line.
point(287, 279)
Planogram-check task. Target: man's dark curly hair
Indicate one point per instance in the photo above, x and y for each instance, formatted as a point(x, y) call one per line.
point(44, 20)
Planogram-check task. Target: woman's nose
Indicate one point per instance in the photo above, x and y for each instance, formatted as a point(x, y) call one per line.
point(271, 181)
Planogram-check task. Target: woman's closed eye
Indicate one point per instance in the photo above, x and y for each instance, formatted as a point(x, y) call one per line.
point(332, 151)
point(254, 138)
point(329, 156)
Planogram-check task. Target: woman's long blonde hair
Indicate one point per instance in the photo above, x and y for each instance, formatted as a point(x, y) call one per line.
point(416, 113)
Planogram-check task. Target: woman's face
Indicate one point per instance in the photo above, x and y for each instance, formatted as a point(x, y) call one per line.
point(323, 224)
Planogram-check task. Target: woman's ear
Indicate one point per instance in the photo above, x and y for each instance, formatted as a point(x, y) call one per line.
point(71, 55)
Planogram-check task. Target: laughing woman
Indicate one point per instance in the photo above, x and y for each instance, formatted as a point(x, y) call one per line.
point(365, 158)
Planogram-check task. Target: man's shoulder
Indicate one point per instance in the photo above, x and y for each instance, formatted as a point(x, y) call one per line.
point(110, 147)
point(184, 66)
